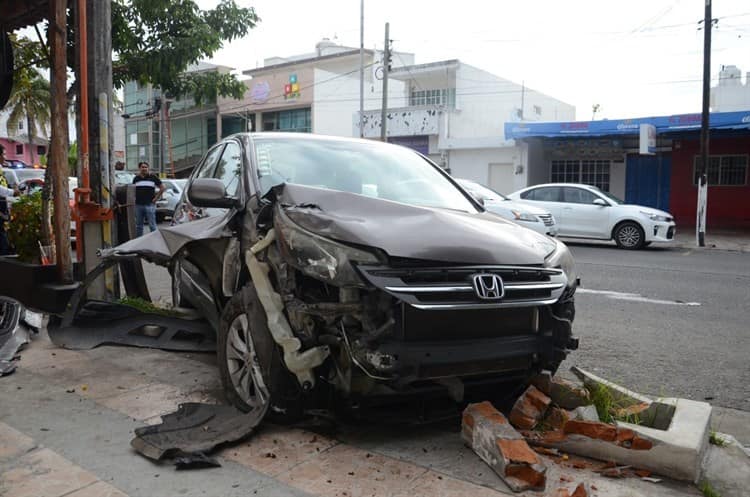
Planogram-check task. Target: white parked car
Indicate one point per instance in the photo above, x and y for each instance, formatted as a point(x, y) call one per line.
point(525, 214)
point(584, 211)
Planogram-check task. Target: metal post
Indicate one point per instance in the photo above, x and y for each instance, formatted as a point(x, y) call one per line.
point(386, 58)
point(700, 222)
point(361, 68)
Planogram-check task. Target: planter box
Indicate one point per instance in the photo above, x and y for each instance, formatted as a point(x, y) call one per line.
point(33, 285)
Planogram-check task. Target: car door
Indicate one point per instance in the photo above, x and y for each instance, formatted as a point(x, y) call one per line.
point(549, 198)
point(581, 216)
point(207, 271)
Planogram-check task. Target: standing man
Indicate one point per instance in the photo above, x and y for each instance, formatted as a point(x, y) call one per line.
point(5, 192)
point(146, 186)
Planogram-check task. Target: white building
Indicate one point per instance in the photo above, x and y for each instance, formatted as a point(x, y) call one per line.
point(731, 94)
point(450, 111)
point(455, 115)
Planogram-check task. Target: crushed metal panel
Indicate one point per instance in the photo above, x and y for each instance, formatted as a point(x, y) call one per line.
point(195, 428)
point(100, 323)
point(13, 334)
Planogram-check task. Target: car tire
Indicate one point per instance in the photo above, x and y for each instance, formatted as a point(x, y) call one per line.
point(629, 235)
point(250, 363)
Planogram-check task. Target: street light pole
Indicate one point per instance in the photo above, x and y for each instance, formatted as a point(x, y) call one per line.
point(700, 222)
point(386, 62)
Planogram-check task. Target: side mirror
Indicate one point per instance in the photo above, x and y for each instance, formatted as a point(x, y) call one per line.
point(600, 202)
point(210, 192)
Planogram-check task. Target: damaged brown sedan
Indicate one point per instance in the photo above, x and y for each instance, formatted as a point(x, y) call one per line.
point(354, 269)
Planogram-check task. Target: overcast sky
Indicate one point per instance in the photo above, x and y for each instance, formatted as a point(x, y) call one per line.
point(633, 58)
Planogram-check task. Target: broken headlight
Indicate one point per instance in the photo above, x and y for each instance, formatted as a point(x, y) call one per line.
point(320, 257)
point(561, 258)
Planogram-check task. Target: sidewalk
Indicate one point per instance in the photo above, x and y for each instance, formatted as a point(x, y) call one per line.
point(718, 239)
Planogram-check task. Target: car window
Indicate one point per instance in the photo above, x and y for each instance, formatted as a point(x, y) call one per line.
point(545, 194)
point(373, 169)
point(578, 196)
point(206, 169)
point(229, 168)
point(481, 192)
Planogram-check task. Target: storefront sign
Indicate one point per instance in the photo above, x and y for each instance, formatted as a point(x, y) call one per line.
point(260, 92)
point(648, 139)
point(291, 89)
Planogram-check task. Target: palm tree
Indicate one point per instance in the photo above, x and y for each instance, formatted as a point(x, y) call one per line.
point(30, 100)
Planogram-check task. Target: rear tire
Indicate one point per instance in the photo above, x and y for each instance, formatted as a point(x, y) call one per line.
point(629, 235)
point(250, 364)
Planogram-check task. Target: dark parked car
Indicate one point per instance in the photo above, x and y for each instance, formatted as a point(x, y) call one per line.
point(356, 267)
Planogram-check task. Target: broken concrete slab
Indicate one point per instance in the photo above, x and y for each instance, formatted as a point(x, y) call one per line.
point(675, 452)
point(497, 443)
point(529, 408)
point(586, 413)
point(564, 393)
point(727, 468)
point(623, 396)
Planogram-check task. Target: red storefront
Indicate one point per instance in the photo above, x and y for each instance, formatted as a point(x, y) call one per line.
point(728, 179)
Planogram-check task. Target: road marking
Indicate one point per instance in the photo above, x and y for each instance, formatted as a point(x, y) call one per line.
point(635, 297)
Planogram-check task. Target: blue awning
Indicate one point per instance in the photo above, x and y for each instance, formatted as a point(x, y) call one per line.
point(664, 124)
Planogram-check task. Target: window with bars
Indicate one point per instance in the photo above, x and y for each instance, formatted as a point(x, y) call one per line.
point(593, 172)
point(722, 170)
point(445, 96)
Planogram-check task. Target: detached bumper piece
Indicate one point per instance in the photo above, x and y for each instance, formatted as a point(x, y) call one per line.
point(194, 429)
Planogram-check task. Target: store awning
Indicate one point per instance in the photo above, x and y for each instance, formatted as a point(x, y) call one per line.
point(609, 127)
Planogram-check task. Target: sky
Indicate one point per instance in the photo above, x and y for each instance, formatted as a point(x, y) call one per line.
point(633, 58)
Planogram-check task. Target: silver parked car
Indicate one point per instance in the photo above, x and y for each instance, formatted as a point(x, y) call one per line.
point(172, 192)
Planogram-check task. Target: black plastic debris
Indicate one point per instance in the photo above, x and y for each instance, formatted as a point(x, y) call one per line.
point(195, 429)
point(198, 460)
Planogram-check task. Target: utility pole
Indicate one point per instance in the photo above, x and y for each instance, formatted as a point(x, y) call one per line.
point(700, 221)
point(523, 96)
point(361, 68)
point(386, 68)
point(99, 233)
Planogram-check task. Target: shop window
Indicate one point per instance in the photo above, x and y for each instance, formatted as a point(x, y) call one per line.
point(445, 96)
point(19, 149)
point(296, 120)
point(593, 172)
point(722, 170)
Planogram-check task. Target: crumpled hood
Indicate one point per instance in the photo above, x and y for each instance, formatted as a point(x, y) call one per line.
point(409, 231)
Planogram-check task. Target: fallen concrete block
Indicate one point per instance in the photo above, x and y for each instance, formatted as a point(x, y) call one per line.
point(543, 382)
point(567, 394)
point(529, 408)
point(586, 413)
point(498, 444)
point(675, 452)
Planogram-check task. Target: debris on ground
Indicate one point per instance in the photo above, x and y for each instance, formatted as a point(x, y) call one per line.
point(493, 439)
point(193, 430)
point(16, 325)
point(196, 460)
point(529, 409)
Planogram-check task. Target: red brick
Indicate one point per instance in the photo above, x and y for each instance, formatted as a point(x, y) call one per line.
point(529, 409)
point(641, 444)
point(517, 451)
point(529, 476)
point(624, 435)
point(556, 418)
point(592, 429)
point(580, 491)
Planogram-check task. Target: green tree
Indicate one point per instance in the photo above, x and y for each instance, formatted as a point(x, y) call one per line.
point(154, 41)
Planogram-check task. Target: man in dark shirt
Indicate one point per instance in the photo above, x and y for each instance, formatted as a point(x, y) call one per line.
point(146, 186)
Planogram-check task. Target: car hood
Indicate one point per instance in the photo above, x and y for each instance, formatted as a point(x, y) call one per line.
point(414, 232)
point(635, 209)
point(516, 206)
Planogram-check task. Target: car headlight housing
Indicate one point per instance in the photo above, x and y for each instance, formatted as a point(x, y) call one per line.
point(524, 216)
point(561, 258)
point(319, 257)
point(656, 217)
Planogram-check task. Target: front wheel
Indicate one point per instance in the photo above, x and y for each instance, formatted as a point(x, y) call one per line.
point(630, 236)
point(250, 365)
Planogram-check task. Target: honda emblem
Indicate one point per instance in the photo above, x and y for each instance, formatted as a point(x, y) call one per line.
point(488, 286)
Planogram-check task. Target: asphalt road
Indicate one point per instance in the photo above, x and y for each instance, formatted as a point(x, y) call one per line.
point(671, 322)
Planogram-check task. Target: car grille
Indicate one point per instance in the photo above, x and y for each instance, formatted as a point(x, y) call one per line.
point(452, 288)
point(547, 219)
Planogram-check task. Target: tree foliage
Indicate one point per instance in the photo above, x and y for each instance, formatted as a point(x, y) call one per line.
point(30, 98)
point(154, 41)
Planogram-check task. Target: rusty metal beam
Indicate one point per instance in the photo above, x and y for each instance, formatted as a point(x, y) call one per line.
point(58, 158)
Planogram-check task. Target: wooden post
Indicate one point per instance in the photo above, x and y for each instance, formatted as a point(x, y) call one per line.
point(58, 153)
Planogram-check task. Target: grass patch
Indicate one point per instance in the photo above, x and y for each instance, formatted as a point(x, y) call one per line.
point(708, 490)
point(715, 439)
point(146, 306)
point(607, 406)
